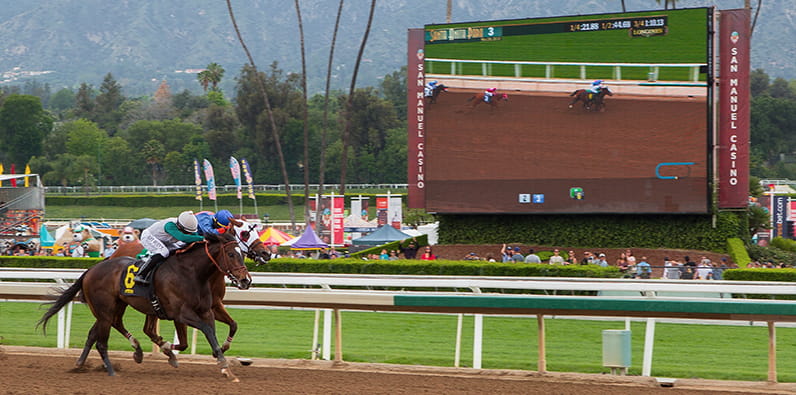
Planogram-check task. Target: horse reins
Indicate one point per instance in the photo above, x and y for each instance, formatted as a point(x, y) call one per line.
point(228, 273)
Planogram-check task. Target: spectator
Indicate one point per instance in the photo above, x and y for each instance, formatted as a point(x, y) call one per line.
point(471, 257)
point(384, 255)
point(428, 255)
point(718, 269)
point(643, 269)
point(671, 269)
point(621, 262)
point(506, 253)
point(490, 258)
point(588, 258)
point(571, 259)
point(323, 254)
point(689, 269)
point(631, 259)
point(393, 255)
point(705, 269)
point(517, 257)
point(333, 253)
point(556, 259)
point(78, 251)
point(410, 251)
point(274, 250)
point(601, 261)
point(531, 257)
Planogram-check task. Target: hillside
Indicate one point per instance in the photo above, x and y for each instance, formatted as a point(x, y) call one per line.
point(143, 42)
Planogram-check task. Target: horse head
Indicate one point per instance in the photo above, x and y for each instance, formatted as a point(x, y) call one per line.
point(503, 97)
point(249, 241)
point(228, 258)
point(605, 91)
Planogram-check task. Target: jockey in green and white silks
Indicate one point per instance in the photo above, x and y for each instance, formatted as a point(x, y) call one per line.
point(164, 237)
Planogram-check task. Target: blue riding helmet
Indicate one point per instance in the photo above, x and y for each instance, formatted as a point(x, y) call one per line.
point(223, 217)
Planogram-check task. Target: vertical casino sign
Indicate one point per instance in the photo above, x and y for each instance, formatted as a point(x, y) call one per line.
point(734, 97)
point(415, 80)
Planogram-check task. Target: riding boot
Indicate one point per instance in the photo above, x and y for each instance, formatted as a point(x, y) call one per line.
point(147, 268)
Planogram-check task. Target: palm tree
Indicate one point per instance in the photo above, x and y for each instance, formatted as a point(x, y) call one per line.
point(322, 163)
point(204, 79)
point(274, 129)
point(306, 164)
point(348, 110)
point(215, 74)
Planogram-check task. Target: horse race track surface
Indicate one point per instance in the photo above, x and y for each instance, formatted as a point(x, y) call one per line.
point(29, 370)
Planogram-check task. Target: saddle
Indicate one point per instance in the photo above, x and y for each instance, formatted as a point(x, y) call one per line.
point(128, 287)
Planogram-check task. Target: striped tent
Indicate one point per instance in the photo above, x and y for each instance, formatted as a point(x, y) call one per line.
point(272, 236)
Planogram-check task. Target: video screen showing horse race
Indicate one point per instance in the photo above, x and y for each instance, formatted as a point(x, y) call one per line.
point(605, 113)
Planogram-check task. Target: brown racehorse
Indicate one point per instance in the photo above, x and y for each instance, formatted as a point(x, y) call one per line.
point(251, 245)
point(478, 98)
point(591, 101)
point(182, 285)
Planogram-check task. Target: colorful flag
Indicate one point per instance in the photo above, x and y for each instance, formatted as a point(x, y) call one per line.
point(27, 179)
point(234, 167)
point(247, 174)
point(1, 173)
point(197, 180)
point(13, 180)
point(211, 180)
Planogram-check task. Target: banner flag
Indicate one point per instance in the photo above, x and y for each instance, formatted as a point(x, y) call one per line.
point(1, 173)
point(197, 179)
point(13, 180)
point(234, 168)
point(211, 180)
point(247, 174)
point(27, 179)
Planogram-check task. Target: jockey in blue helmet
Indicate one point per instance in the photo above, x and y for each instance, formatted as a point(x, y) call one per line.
point(211, 223)
point(596, 86)
point(429, 90)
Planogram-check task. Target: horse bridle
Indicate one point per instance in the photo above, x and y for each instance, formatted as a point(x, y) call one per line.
point(249, 248)
point(227, 272)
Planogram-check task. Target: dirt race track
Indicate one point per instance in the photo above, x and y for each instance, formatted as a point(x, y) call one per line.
point(29, 370)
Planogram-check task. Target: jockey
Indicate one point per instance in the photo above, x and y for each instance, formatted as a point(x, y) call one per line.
point(430, 86)
point(163, 238)
point(596, 86)
point(213, 223)
point(488, 94)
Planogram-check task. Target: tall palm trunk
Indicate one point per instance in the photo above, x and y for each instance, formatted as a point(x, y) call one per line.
point(349, 104)
point(306, 166)
point(322, 162)
point(274, 130)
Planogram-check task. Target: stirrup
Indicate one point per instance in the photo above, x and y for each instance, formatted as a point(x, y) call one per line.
point(141, 280)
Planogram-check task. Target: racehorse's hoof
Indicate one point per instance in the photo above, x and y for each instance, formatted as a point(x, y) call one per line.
point(138, 356)
point(570, 106)
point(228, 374)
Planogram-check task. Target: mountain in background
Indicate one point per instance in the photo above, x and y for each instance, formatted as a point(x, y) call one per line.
point(143, 42)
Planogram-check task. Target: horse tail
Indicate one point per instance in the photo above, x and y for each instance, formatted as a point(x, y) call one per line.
point(66, 296)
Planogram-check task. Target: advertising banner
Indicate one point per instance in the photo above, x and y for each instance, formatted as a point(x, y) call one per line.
point(247, 174)
point(211, 180)
point(395, 212)
point(382, 214)
point(338, 214)
point(734, 96)
point(792, 211)
point(197, 179)
point(415, 81)
point(234, 168)
point(779, 216)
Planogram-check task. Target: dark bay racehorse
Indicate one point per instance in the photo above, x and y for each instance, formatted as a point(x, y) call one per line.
point(591, 101)
point(250, 244)
point(480, 97)
point(182, 285)
point(435, 93)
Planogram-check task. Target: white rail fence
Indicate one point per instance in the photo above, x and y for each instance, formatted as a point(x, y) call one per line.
point(456, 68)
point(330, 293)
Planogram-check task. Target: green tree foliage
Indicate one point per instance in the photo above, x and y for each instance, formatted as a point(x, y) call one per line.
point(107, 112)
point(773, 123)
point(84, 102)
point(83, 137)
point(62, 100)
point(24, 125)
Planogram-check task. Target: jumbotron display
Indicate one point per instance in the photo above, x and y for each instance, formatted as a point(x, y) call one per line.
point(604, 113)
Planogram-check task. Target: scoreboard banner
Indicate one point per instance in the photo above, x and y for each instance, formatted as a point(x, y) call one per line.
point(416, 120)
point(733, 136)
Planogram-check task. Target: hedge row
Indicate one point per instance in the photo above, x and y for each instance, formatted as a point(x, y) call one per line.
point(360, 266)
point(608, 231)
point(785, 275)
point(737, 251)
point(158, 200)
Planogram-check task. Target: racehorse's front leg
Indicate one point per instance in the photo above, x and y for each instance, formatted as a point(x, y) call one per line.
point(182, 337)
point(138, 353)
point(150, 329)
point(222, 315)
point(209, 330)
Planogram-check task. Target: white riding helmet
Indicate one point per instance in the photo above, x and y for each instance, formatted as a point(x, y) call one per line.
point(187, 222)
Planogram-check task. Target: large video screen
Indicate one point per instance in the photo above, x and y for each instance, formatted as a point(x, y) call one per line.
point(604, 113)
